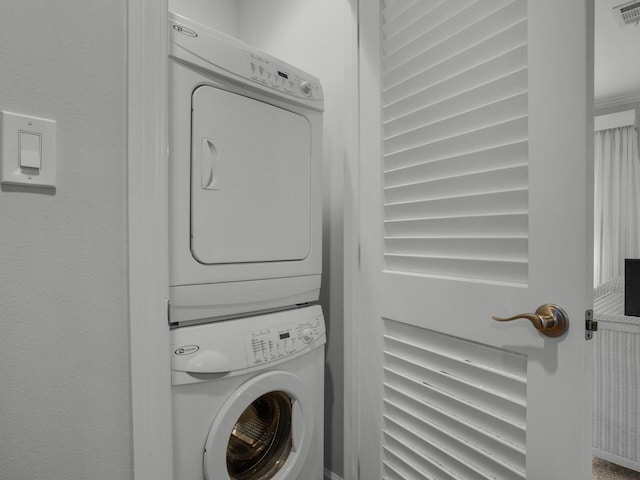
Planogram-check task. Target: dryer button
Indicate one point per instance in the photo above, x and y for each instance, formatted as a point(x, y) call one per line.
point(305, 88)
point(307, 335)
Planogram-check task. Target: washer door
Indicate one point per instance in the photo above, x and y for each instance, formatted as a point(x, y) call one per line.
point(263, 431)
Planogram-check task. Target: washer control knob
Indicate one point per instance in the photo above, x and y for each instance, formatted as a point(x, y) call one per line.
point(305, 88)
point(306, 335)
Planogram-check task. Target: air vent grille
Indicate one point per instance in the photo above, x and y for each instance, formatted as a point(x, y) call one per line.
point(627, 13)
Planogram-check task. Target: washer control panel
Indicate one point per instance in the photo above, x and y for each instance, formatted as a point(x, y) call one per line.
point(269, 73)
point(234, 347)
point(275, 343)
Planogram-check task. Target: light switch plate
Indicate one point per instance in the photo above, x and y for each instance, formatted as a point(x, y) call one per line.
point(11, 171)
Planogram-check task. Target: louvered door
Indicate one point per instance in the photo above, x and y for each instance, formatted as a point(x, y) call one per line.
point(455, 140)
point(475, 161)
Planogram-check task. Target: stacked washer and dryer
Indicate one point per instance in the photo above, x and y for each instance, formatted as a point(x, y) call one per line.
point(245, 179)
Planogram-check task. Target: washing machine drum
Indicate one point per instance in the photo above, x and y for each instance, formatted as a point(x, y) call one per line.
point(263, 431)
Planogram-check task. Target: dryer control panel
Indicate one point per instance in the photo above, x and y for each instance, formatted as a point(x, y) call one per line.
point(231, 58)
point(275, 343)
point(282, 78)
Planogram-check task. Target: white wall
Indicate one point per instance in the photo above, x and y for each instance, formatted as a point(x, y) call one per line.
point(64, 346)
point(310, 35)
point(221, 15)
point(617, 70)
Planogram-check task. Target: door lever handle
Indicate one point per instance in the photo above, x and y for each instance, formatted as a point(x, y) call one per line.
point(549, 319)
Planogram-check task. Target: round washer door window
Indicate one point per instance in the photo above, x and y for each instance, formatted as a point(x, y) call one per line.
point(262, 432)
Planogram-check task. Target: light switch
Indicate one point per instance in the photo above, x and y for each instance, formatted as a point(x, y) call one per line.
point(30, 150)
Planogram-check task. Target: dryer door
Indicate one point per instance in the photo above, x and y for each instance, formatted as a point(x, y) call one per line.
point(250, 180)
point(263, 431)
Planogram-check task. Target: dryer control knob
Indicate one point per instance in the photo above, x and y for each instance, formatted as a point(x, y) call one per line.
point(305, 88)
point(306, 335)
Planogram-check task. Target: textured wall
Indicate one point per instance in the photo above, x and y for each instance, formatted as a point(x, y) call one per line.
point(64, 361)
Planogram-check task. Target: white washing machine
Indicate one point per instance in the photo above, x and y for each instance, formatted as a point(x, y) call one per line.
point(248, 398)
point(245, 178)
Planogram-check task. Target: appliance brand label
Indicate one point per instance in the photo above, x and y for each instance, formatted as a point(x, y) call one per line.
point(185, 31)
point(187, 350)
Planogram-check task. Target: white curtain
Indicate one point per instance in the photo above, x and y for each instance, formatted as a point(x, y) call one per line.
point(617, 201)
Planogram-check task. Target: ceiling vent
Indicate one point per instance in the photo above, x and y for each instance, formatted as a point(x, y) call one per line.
point(627, 13)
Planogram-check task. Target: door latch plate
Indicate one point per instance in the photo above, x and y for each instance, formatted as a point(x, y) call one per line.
point(590, 325)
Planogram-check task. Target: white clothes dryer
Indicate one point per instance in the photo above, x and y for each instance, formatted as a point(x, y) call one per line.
point(245, 178)
point(248, 398)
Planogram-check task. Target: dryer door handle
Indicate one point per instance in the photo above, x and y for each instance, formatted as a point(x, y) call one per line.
point(210, 165)
point(207, 362)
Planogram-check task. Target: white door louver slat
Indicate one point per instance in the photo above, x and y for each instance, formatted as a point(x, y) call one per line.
point(404, 463)
point(425, 20)
point(417, 57)
point(483, 226)
point(467, 205)
point(433, 72)
point(480, 436)
point(495, 158)
point(400, 15)
point(427, 457)
point(417, 135)
point(483, 377)
point(484, 461)
point(483, 249)
point(399, 467)
point(458, 103)
point(503, 65)
point(452, 20)
point(452, 408)
point(484, 138)
point(500, 112)
point(471, 269)
point(393, 474)
point(496, 249)
point(484, 357)
point(428, 399)
point(476, 183)
point(455, 139)
point(457, 461)
point(484, 399)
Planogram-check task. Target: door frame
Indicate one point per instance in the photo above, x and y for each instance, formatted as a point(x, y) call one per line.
point(151, 436)
point(351, 241)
